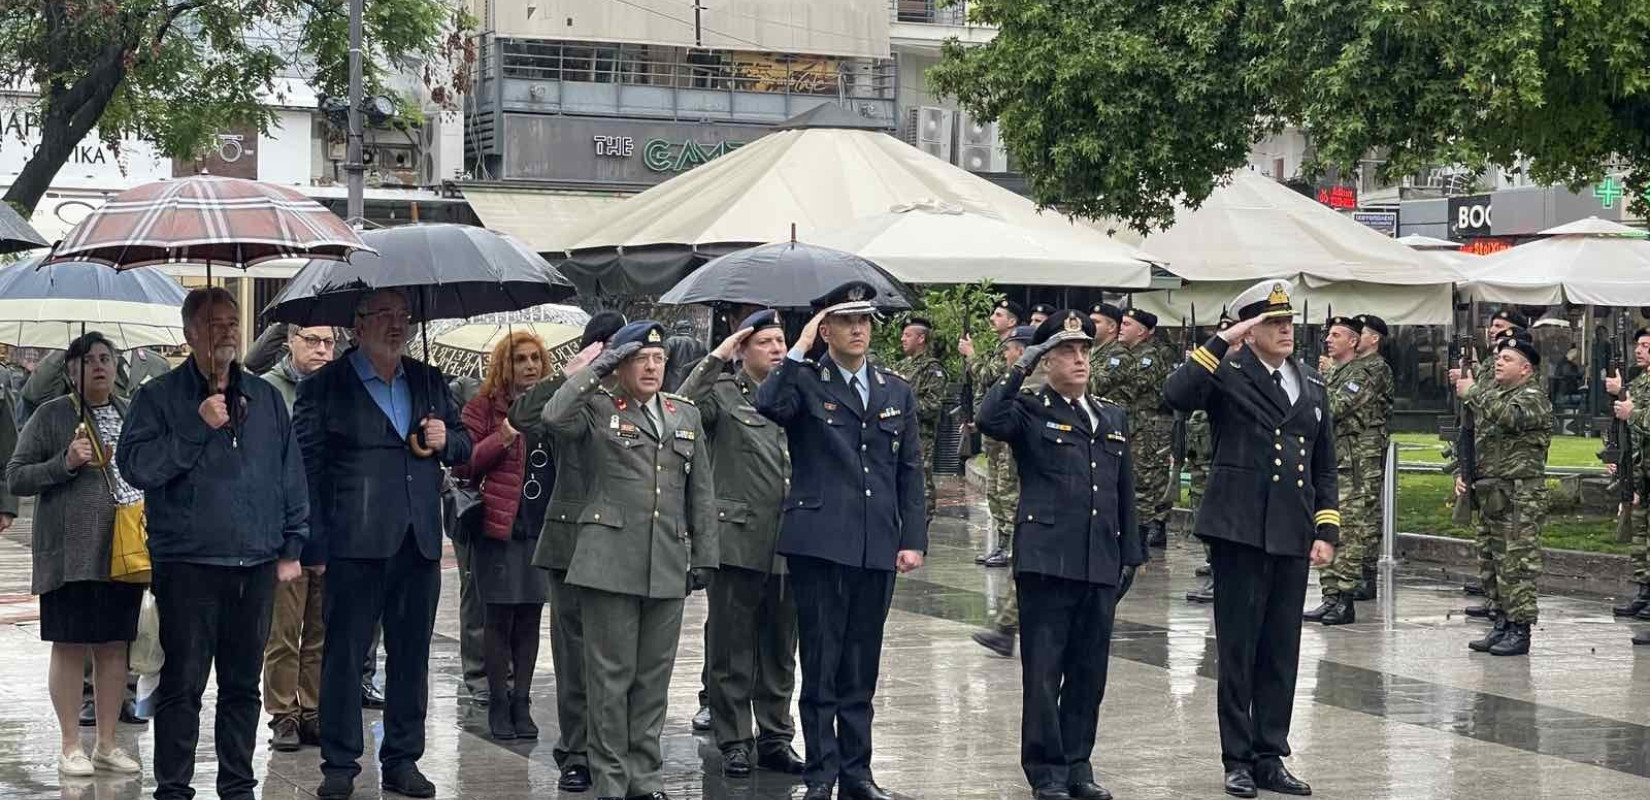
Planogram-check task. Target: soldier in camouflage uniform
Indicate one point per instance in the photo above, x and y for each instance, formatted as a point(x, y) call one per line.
point(1638, 421)
point(928, 382)
point(1369, 352)
point(1200, 452)
point(1002, 478)
point(1108, 368)
point(1151, 423)
point(1504, 323)
point(1514, 427)
point(1353, 404)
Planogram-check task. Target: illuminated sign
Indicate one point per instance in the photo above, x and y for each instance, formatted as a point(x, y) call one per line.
point(663, 155)
point(1486, 245)
point(1608, 192)
point(1338, 196)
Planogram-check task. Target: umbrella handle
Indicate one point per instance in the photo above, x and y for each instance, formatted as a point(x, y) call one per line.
point(415, 441)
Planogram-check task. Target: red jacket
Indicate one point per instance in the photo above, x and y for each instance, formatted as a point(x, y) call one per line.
point(496, 467)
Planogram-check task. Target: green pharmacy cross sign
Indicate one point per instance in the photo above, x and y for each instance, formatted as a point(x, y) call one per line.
point(1608, 191)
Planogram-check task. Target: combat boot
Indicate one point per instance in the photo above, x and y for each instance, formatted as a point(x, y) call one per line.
point(1156, 534)
point(1515, 643)
point(1316, 614)
point(1632, 607)
point(1342, 613)
point(1485, 611)
point(1475, 589)
point(1495, 636)
point(1369, 589)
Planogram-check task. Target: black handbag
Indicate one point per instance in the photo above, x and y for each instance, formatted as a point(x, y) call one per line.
point(460, 509)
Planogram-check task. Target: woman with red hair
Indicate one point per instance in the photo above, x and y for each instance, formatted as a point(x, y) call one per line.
point(514, 474)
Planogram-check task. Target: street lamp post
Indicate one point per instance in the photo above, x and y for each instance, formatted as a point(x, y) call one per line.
point(354, 169)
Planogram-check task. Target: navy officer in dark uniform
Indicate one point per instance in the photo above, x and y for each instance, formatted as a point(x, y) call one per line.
point(1075, 538)
point(1272, 493)
point(853, 516)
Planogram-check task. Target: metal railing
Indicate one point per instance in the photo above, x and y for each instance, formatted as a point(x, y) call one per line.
point(684, 68)
point(931, 12)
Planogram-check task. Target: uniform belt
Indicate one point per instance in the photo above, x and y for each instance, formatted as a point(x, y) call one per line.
point(1492, 483)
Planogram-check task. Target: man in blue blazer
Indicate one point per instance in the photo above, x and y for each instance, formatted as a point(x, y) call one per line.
point(375, 428)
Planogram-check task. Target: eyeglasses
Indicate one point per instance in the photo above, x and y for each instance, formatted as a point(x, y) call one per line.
point(318, 341)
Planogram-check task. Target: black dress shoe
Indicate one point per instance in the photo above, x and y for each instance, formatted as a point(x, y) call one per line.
point(128, 714)
point(817, 791)
point(370, 696)
point(701, 719)
point(736, 763)
point(336, 786)
point(1239, 783)
point(1088, 790)
point(1276, 778)
point(521, 718)
point(575, 778)
point(1316, 614)
point(1344, 612)
point(1202, 594)
point(998, 558)
point(500, 724)
point(999, 642)
point(1644, 614)
point(1051, 793)
point(780, 759)
point(407, 781)
point(1156, 535)
point(88, 713)
point(863, 790)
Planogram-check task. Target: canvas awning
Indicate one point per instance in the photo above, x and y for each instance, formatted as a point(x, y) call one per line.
point(540, 219)
point(1589, 262)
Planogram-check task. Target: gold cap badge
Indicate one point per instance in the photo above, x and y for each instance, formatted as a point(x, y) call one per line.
point(1278, 295)
point(1073, 323)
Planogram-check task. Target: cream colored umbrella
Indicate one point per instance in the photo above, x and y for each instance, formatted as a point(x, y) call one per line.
point(1587, 262)
point(464, 351)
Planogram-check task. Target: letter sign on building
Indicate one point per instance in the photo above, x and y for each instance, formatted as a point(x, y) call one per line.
point(1469, 216)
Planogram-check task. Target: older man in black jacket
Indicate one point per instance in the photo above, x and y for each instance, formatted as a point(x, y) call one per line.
point(1269, 509)
point(217, 459)
point(1075, 540)
point(375, 428)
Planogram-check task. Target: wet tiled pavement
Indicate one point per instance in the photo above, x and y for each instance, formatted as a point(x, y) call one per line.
point(1392, 707)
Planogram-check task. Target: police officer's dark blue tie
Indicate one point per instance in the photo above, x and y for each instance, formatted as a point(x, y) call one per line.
point(853, 385)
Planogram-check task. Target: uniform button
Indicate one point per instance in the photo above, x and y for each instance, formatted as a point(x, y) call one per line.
point(787, 481)
point(862, 448)
point(799, 502)
point(1057, 440)
point(1277, 445)
point(1277, 431)
point(1299, 484)
point(658, 491)
point(1092, 465)
point(867, 470)
point(597, 516)
point(409, 479)
point(661, 468)
point(655, 515)
point(863, 426)
point(1303, 453)
point(1094, 512)
point(1277, 462)
point(1094, 488)
point(1302, 439)
point(867, 492)
point(722, 514)
point(1031, 518)
point(1274, 479)
point(1300, 467)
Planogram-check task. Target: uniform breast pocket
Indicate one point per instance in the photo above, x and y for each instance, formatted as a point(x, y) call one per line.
point(684, 451)
point(893, 429)
point(826, 413)
point(1061, 439)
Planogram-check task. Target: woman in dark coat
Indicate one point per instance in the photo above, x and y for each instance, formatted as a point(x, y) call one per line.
point(514, 475)
point(71, 469)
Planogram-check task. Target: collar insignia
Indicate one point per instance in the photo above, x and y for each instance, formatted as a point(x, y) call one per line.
point(618, 402)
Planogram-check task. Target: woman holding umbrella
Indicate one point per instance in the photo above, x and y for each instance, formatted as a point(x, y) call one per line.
point(65, 456)
point(515, 476)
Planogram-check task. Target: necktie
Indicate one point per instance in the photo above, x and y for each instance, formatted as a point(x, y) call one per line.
point(853, 383)
point(653, 419)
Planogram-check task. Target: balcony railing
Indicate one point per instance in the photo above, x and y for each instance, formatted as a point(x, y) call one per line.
point(681, 68)
point(931, 12)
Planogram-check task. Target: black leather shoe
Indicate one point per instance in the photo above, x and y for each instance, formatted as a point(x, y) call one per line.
point(1204, 593)
point(1088, 790)
point(1515, 643)
point(1481, 612)
point(335, 787)
point(997, 558)
point(1642, 637)
point(701, 719)
point(499, 724)
point(1203, 570)
point(371, 697)
point(575, 778)
point(863, 790)
point(1474, 589)
point(1483, 645)
point(1239, 783)
point(128, 714)
point(407, 781)
point(1051, 793)
point(1344, 612)
point(997, 641)
point(1644, 614)
point(283, 737)
point(817, 791)
point(88, 713)
point(780, 759)
point(736, 763)
point(1316, 614)
point(1276, 778)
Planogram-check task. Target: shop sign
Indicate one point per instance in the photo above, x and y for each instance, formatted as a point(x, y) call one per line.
point(1469, 216)
point(1338, 196)
point(1385, 222)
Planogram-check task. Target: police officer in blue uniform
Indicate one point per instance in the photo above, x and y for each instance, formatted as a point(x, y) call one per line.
point(853, 516)
point(1075, 538)
point(1270, 509)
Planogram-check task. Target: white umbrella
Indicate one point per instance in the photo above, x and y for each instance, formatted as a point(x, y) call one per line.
point(465, 350)
point(50, 306)
point(938, 242)
point(1588, 262)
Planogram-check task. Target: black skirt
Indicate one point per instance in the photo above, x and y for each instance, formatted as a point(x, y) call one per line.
point(90, 612)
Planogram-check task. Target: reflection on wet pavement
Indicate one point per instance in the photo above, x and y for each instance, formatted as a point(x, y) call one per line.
point(1392, 707)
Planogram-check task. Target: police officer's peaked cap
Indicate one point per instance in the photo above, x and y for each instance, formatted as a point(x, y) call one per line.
point(1523, 346)
point(761, 320)
point(1020, 333)
point(854, 297)
point(1350, 323)
point(644, 331)
point(1518, 320)
point(1267, 299)
point(1013, 308)
point(1042, 308)
point(601, 327)
point(1064, 326)
point(1145, 318)
point(1373, 323)
point(1107, 310)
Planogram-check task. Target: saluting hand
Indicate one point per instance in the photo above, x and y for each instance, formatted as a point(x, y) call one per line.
point(79, 452)
point(435, 432)
point(583, 358)
point(726, 349)
point(1239, 330)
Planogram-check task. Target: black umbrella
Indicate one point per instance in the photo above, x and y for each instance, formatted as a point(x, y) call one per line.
point(785, 275)
point(448, 272)
point(16, 234)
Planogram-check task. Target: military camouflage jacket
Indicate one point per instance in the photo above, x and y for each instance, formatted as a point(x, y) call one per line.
point(1514, 427)
point(986, 367)
point(1110, 370)
point(1638, 422)
point(927, 377)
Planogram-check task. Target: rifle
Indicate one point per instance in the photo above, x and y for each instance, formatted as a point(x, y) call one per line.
point(1618, 438)
point(1177, 446)
point(1465, 448)
point(968, 442)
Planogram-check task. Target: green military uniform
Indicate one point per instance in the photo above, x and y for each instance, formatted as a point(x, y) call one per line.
point(751, 629)
point(554, 553)
point(1639, 423)
point(1483, 374)
point(1002, 491)
point(928, 381)
point(1380, 416)
point(1355, 390)
point(1152, 430)
point(1514, 428)
point(1109, 368)
point(648, 517)
point(1199, 454)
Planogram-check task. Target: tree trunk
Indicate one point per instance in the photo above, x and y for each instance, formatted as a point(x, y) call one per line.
point(71, 113)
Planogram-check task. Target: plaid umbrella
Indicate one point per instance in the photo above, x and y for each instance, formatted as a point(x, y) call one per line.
point(207, 219)
point(15, 233)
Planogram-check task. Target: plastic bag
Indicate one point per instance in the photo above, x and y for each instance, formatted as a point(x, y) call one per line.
point(145, 656)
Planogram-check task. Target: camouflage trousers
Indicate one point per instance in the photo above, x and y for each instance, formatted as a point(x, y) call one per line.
point(1639, 551)
point(1002, 489)
point(1360, 501)
point(1153, 441)
point(928, 493)
point(1511, 513)
point(1197, 467)
point(1008, 616)
point(1377, 510)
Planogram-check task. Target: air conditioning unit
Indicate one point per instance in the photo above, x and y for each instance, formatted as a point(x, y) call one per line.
point(980, 149)
point(933, 131)
point(441, 147)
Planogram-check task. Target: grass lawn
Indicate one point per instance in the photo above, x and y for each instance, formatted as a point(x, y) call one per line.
point(1425, 502)
point(1565, 451)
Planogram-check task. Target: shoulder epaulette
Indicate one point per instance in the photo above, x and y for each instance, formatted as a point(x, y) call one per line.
point(1106, 400)
point(892, 374)
point(677, 397)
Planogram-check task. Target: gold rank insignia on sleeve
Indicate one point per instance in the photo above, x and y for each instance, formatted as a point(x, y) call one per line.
point(1205, 358)
point(1328, 516)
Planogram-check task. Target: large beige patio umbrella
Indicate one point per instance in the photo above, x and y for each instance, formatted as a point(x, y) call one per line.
point(1588, 262)
point(820, 179)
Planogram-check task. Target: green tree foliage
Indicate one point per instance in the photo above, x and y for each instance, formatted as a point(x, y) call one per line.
point(952, 308)
point(1117, 109)
point(175, 72)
